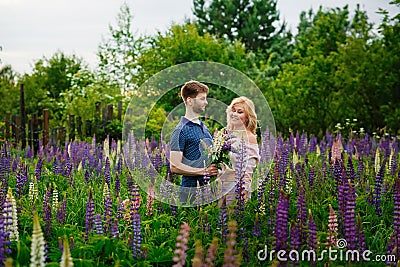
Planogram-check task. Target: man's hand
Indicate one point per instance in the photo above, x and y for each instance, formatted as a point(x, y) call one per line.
point(211, 170)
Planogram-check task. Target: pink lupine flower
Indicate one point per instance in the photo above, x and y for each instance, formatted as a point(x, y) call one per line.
point(332, 228)
point(181, 246)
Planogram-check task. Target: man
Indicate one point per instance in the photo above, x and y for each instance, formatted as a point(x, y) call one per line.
point(186, 157)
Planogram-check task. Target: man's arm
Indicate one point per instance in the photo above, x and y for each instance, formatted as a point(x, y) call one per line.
point(178, 167)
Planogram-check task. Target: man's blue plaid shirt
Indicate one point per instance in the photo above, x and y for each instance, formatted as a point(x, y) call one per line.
point(186, 138)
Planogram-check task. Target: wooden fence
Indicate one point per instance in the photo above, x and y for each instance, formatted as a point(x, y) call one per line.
point(29, 130)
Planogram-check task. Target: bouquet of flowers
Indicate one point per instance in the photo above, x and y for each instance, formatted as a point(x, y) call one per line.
point(218, 152)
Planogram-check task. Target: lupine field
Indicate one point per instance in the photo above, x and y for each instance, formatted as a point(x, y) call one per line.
point(78, 204)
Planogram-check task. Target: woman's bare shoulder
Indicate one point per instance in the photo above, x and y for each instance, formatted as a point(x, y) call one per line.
point(252, 138)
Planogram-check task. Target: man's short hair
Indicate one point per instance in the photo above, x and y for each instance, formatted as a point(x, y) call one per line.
point(192, 89)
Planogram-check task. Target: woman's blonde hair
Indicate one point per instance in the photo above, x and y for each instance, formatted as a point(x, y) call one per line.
point(249, 109)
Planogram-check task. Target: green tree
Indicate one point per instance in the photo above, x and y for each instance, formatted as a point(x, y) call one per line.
point(49, 78)
point(183, 43)
point(119, 53)
point(255, 23)
point(251, 21)
point(9, 92)
point(321, 88)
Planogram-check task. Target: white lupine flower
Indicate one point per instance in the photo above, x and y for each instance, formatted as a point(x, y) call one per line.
point(38, 256)
point(377, 160)
point(118, 147)
point(69, 148)
point(66, 258)
point(295, 158)
point(33, 192)
point(389, 166)
point(54, 205)
point(106, 148)
point(10, 216)
point(289, 182)
point(106, 191)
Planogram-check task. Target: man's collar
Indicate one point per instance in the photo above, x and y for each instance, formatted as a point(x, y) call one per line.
point(185, 120)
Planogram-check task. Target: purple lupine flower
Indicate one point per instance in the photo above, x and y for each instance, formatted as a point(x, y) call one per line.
point(312, 232)
point(256, 227)
point(378, 188)
point(119, 165)
point(21, 178)
point(107, 213)
point(15, 163)
point(137, 236)
point(342, 191)
point(396, 216)
point(107, 177)
point(67, 167)
point(239, 178)
point(393, 164)
point(120, 208)
point(89, 223)
point(62, 210)
point(205, 223)
point(338, 172)
point(173, 210)
point(245, 253)
point(350, 233)
point(160, 209)
point(313, 144)
point(98, 225)
point(295, 242)
point(72, 242)
point(117, 188)
point(260, 195)
point(223, 219)
point(135, 198)
point(301, 218)
point(57, 169)
point(60, 243)
point(311, 177)
point(4, 242)
point(38, 170)
point(4, 162)
point(350, 170)
point(48, 227)
point(115, 229)
point(360, 236)
point(48, 218)
point(282, 216)
point(86, 176)
point(304, 144)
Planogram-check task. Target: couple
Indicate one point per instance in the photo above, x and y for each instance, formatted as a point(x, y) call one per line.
point(186, 157)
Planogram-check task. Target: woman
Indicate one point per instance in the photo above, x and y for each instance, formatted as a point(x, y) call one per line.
point(242, 125)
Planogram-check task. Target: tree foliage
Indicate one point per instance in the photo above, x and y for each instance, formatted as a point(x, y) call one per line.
point(50, 78)
point(119, 53)
point(342, 70)
point(9, 91)
point(251, 21)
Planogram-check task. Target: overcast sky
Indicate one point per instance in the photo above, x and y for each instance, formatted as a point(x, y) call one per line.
point(31, 29)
